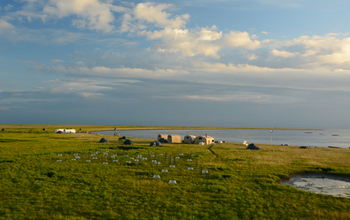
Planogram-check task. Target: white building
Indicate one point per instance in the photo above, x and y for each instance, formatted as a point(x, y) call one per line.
point(65, 130)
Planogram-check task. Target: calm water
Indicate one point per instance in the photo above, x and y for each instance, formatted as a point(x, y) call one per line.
point(328, 184)
point(320, 138)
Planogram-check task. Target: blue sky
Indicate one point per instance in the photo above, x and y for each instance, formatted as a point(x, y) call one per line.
point(251, 63)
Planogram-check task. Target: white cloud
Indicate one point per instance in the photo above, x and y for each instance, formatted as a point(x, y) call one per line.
point(82, 87)
point(252, 57)
point(148, 13)
point(94, 14)
point(158, 23)
point(240, 39)
point(283, 53)
point(6, 27)
point(320, 50)
point(103, 71)
point(87, 88)
point(176, 37)
point(224, 74)
point(188, 43)
point(206, 34)
point(151, 13)
point(206, 41)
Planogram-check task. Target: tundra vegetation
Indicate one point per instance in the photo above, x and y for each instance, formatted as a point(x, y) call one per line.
point(239, 184)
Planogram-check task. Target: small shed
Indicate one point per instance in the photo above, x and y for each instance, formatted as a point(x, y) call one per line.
point(189, 139)
point(165, 136)
point(205, 139)
point(174, 138)
point(104, 140)
point(128, 142)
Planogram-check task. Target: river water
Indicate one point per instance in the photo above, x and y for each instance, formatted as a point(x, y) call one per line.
point(319, 138)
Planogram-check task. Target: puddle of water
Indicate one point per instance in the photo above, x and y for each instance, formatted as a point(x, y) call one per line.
point(327, 184)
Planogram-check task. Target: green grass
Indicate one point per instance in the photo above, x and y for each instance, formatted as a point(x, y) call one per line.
point(241, 183)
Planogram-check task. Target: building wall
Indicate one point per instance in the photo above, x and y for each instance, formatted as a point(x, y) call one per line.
point(165, 136)
point(69, 131)
point(205, 140)
point(174, 138)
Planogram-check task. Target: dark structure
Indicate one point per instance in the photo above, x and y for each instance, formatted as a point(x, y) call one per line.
point(104, 140)
point(162, 140)
point(156, 143)
point(128, 142)
point(122, 138)
point(253, 147)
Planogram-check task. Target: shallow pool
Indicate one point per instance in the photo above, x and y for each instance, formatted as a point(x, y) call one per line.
point(327, 184)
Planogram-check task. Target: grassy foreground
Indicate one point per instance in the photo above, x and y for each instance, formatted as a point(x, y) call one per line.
point(241, 184)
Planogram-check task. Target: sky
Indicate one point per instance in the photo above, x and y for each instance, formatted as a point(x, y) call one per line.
point(236, 63)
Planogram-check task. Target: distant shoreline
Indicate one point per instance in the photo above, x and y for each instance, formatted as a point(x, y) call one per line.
point(92, 128)
point(211, 128)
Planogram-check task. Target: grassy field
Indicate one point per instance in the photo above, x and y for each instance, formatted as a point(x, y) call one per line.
point(240, 183)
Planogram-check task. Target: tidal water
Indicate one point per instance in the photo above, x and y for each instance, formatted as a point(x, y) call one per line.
point(319, 138)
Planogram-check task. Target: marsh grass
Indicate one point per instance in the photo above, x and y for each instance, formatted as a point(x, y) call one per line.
point(241, 184)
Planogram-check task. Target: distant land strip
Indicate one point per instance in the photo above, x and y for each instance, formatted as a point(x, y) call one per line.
point(130, 127)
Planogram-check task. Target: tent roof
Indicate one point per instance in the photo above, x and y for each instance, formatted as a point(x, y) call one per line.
point(155, 143)
point(162, 140)
point(103, 140)
point(190, 136)
point(253, 147)
point(173, 135)
point(128, 142)
point(208, 137)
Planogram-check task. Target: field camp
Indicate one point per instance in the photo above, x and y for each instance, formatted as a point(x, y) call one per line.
point(84, 175)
